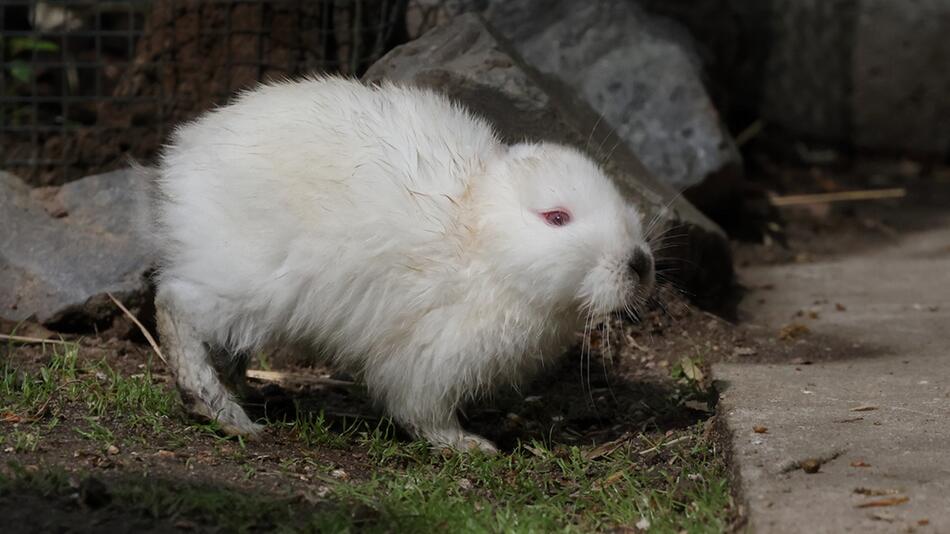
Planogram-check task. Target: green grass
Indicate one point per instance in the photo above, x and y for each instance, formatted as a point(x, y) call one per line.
point(105, 397)
point(525, 491)
point(538, 490)
point(400, 486)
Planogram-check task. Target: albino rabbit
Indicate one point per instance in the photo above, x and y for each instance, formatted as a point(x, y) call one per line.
point(392, 231)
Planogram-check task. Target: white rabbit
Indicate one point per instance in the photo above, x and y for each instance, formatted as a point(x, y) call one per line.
point(389, 229)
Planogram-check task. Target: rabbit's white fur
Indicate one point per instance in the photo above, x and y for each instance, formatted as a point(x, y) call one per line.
point(387, 228)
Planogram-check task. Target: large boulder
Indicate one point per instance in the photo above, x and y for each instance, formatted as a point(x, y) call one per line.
point(467, 61)
point(63, 249)
point(640, 72)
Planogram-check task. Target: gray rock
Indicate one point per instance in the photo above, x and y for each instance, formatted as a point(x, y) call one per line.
point(60, 255)
point(466, 61)
point(641, 72)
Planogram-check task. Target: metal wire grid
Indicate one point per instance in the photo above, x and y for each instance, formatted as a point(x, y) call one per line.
point(84, 83)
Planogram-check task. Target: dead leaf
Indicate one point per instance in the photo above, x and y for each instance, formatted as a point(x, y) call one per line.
point(10, 417)
point(891, 501)
point(840, 307)
point(760, 429)
point(605, 449)
point(691, 370)
point(860, 463)
point(793, 331)
point(864, 408)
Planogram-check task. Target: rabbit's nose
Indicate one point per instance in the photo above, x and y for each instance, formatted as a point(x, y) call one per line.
point(641, 264)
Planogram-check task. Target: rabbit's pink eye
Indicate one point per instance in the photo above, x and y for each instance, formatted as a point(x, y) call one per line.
point(556, 217)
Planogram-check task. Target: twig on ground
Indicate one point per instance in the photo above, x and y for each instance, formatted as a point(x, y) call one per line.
point(38, 340)
point(279, 377)
point(663, 445)
point(145, 332)
point(608, 448)
point(838, 196)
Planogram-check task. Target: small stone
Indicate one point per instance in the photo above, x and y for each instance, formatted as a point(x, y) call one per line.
point(811, 466)
point(339, 474)
point(112, 450)
point(465, 484)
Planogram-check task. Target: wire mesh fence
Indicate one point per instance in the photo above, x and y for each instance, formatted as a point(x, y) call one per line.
point(84, 83)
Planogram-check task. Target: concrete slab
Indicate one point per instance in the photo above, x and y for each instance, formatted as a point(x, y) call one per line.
point(877, 419)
